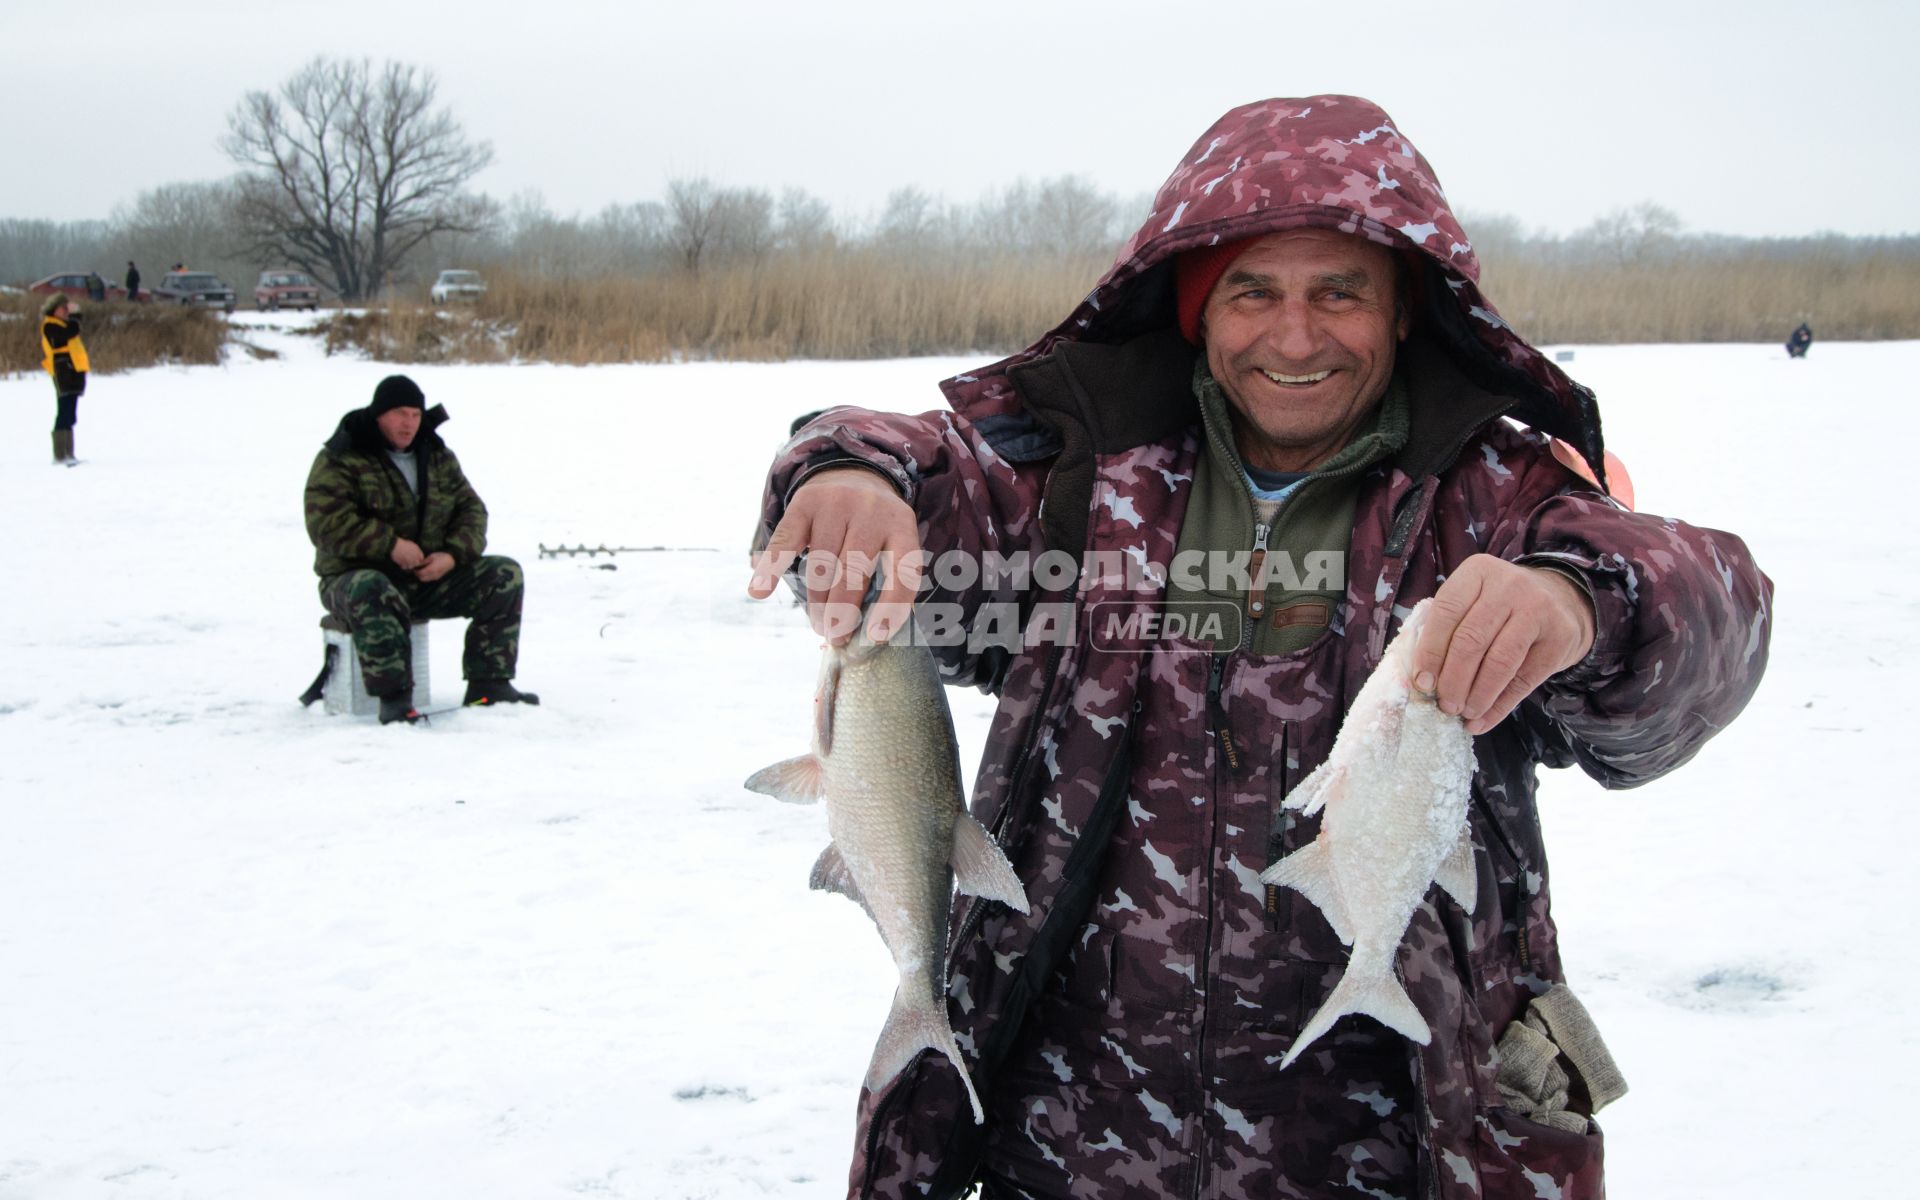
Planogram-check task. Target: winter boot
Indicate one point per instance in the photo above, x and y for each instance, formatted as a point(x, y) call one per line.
point(62, 446)
point(398, 706)
point(483, 692)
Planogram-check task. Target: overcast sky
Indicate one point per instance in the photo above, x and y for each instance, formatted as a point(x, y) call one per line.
point(1759, 117)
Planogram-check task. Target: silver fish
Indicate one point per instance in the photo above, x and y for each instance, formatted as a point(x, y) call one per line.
point(885, 759)
point(1394, 791)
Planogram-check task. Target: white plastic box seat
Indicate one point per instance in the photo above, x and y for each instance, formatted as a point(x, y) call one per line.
point(346, 688)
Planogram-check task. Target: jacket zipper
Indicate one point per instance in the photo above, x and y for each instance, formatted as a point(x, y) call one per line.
point(419, 496)
point(1522, 901)
point(1282, 821)
point(1256, 600)
point(1229, 757)
point(1217, 714)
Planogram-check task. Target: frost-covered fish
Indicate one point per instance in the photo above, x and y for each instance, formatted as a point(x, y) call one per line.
point(884, 758)
point(1394, 791)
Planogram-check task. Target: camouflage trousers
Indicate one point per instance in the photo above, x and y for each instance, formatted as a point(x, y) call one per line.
point(380, 613)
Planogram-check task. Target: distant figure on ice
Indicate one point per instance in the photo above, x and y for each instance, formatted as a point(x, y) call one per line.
point(1798, 341)
point(400, 536)
point(133, 281)
point(96, 287)
point(65, 358)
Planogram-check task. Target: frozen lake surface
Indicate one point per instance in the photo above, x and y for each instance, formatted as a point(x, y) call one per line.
point(248, 950)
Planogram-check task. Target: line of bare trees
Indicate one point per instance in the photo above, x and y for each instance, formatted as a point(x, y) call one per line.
point(355, 173)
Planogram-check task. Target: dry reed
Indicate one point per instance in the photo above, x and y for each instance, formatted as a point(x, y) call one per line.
point(1716, 300)
point(856, 304)
point(118, 336)
point(871, 303)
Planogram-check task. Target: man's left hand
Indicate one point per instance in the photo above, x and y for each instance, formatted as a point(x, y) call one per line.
point(438, 563)
point(1496, 632)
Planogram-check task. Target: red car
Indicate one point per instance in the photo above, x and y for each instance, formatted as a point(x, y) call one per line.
point(286, 289)
point(74, 283)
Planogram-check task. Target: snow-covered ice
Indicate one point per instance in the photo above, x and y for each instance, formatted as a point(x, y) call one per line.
point(249, 950)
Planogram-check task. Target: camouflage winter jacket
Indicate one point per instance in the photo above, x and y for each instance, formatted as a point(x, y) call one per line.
point(1088, 440)
point(358, 504)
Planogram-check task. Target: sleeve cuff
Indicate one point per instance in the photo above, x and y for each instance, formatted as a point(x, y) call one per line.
point(837, 458)
point(1612, 621)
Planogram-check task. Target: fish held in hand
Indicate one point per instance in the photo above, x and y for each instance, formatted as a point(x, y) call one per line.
point(1393, 795)
point(885, 760)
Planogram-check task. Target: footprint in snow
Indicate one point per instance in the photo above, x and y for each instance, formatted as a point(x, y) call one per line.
point(708, 1091)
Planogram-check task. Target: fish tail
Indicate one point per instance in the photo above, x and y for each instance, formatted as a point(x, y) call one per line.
point(909, 1031)
point(1378, 995)
point(801, 780)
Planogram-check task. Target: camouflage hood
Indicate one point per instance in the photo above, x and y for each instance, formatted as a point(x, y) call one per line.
point(358, 430)
point(1327, 162)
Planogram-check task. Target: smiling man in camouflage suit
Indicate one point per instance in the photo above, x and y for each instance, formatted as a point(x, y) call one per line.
point(1291, 362)
point(399, 536)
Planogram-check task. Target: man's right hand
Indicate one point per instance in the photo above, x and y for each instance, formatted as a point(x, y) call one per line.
point(847, 521)
point(406, 554)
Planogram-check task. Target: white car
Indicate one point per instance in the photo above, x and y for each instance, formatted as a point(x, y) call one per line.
point(458, 285)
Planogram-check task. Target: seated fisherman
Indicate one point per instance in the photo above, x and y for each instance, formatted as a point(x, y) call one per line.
point(399, 535)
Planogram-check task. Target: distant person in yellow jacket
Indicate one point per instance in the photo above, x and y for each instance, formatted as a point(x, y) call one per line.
point(65, 358)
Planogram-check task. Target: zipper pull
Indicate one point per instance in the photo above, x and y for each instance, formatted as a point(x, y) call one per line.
point(1217, 715)
point(1256, 591)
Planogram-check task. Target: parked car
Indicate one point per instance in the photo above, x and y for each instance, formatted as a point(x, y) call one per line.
point(286, 289)
point(458, 285)
point(73, 283)
point(201, 289)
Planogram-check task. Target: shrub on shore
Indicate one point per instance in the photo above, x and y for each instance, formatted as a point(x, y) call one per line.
point(119, 336)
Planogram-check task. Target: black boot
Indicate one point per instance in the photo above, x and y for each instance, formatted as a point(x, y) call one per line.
point(496, 691)
point(398, 706)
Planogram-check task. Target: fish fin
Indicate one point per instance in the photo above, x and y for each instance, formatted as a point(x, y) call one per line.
point(981, 869)
point(800, 780)
point(1456, 876)
point(830, 874)
point(1311, 794)
point(1309, 871)
point(823, 702)
point(1380, 997)
point(908, 1032)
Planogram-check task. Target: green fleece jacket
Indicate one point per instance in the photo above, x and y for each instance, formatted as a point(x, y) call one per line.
point(1293, 556)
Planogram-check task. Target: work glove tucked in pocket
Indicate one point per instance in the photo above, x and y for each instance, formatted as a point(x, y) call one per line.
point(1554, 1069)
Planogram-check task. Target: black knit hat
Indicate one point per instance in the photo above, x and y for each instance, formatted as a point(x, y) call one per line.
point(396, 391)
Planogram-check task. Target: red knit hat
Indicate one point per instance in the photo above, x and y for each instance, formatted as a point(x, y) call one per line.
point(1195, 273)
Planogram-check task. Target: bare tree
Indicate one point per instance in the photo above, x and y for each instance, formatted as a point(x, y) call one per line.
point(693, 219)
point(636, 236)
point(805, 222)
point(746, 224)
point(911, 219)
point(350, 169)
point(189, 223)
point(1631, 236)
point(1066, 216)
point(1075, 217)
point(32, 248)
